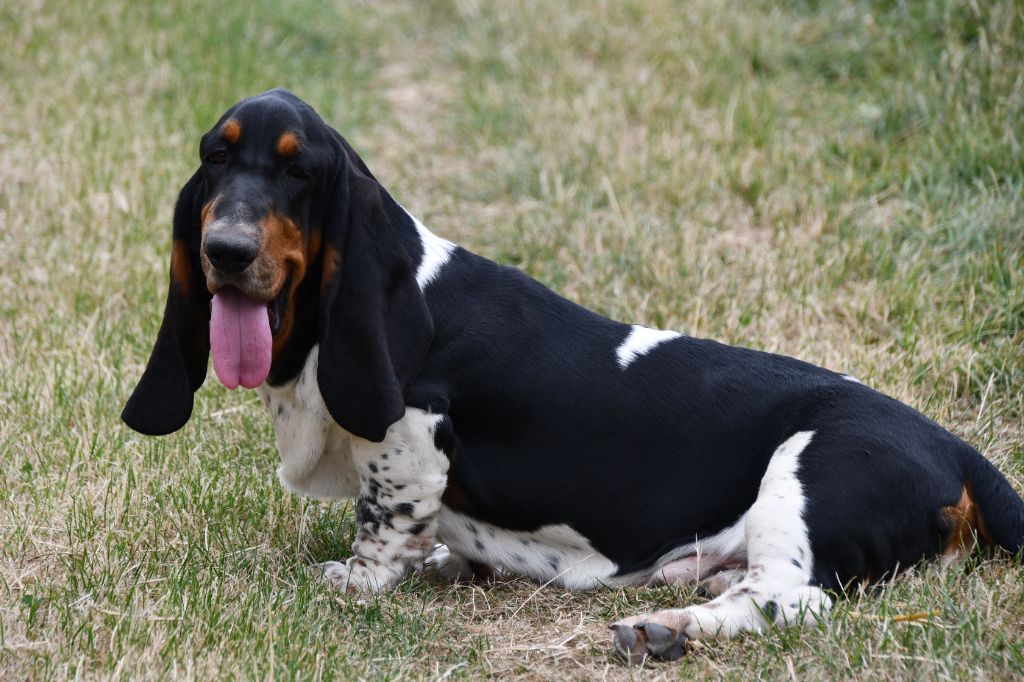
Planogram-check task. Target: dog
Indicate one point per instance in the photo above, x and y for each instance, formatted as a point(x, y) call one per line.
point(458, 401)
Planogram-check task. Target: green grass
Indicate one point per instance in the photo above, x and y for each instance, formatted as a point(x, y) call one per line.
point(841, 181)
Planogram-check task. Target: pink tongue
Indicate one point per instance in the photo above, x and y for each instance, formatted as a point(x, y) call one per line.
point(240, 339)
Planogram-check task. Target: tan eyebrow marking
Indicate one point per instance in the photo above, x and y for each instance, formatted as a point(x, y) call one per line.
point(232, 130)
point(288, 144)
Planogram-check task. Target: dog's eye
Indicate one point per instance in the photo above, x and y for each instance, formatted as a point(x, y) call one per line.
point(297, 173)
point(216, 158)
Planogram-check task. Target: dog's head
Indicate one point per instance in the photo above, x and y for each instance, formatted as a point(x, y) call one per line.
point(282, 241)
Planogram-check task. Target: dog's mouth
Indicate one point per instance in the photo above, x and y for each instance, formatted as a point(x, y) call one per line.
point(276, 308)
point(241, 335)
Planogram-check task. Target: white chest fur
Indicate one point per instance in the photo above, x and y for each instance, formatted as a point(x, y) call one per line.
point(316, 453)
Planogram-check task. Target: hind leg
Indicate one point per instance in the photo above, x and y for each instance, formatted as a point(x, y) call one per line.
point(775, 590)
point(718, 583)
point(714, 574)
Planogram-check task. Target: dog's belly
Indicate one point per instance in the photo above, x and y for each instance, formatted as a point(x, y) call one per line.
point(557, 553)
point(554, 553)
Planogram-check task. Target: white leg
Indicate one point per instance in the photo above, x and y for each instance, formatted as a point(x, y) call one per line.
point(401, 481)
point(775, 589)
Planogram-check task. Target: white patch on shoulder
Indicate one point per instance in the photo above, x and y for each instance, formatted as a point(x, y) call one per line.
point(554, 553)
point(853, 379)
point(316, 453)
point(640, 341)
point(436, 252)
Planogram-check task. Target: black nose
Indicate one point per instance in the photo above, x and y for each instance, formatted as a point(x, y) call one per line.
point(230, 253)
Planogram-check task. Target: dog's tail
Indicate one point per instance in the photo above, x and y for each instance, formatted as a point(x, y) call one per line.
point(1001, 508)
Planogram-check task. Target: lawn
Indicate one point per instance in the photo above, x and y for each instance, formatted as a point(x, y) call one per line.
point(840, 181)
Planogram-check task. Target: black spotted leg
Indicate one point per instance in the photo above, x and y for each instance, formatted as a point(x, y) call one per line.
point(401, 481)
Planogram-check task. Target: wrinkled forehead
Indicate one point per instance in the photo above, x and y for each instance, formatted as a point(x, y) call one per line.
point(265, 123)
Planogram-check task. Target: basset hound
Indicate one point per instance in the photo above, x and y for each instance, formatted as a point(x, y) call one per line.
point(459, 401)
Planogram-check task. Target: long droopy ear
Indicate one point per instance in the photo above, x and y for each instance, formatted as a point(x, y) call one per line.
point(375, 327)
point(162, 401)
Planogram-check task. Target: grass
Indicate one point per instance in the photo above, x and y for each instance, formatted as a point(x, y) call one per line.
point(841, 181)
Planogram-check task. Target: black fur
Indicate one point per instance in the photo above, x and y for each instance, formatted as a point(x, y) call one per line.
point(544, 427)
point(162, 401)
point(374, 324)
point(550, 430)
point(370, 319)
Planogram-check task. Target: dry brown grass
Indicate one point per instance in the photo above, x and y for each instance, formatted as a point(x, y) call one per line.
point(837, 181)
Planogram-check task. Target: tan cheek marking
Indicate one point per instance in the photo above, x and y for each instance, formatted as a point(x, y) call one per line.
point(288, 144)
point(283, 248)
point(232, 130)
point(314, 245)
point(206, 213)
point(332, 260)
point(181, 267)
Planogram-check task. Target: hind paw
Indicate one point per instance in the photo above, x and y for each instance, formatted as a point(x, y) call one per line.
point(660, 636)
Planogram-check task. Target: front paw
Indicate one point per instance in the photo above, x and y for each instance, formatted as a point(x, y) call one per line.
point(355, 576)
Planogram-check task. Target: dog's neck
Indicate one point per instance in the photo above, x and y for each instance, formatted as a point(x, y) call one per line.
point(427, 255)
point(427, 252)
point(405, 226)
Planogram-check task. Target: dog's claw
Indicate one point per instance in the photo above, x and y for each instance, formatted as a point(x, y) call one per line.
point(664, 643)
point(642, 639)
point(629, 645)
point(317, 570)
point(659, 637)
